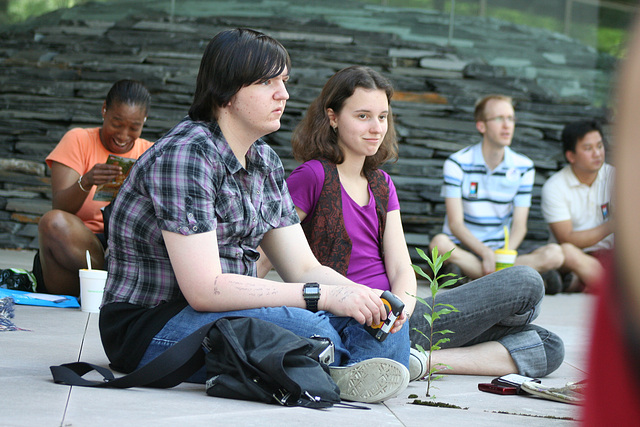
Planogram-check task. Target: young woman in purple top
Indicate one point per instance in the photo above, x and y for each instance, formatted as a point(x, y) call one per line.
point(357, 137)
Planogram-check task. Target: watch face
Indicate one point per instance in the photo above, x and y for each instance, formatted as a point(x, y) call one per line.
point(312, 290)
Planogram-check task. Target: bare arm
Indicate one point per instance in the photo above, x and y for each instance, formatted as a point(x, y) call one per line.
point(398, 265)
point(206, 288)
point(456, 224)
point(518, 227)
point(264, 265)
point(67, 194)
point(563, 232)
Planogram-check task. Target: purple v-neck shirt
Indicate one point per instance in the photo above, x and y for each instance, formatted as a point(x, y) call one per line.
point(365, 267)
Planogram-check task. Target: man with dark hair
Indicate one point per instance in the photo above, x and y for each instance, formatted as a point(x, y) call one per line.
point(576, 203)
point(487, 189)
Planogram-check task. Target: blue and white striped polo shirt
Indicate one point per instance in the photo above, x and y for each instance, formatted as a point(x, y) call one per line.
point(488, 197)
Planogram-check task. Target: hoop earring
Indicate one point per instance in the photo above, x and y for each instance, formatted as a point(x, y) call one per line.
point(335, 129)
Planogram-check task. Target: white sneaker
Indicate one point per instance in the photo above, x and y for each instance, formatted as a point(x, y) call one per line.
point(418, 364)
point(370, 381)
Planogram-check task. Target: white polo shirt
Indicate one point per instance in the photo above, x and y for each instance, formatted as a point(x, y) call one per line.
point(564, 198)
point(488, 197)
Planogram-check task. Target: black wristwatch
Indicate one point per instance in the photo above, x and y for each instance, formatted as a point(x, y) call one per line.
point(311, 295)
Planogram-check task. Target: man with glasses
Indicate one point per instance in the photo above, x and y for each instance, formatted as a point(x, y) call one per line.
point(487, 190)
point(576, 203)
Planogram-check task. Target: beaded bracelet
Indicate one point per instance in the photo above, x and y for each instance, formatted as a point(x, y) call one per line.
point(80, 184)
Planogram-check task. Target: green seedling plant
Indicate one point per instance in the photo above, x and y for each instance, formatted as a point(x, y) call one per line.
point(435, 310)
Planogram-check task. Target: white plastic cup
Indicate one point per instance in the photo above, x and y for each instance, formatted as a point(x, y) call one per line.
point(91, 289)
point(505, 258)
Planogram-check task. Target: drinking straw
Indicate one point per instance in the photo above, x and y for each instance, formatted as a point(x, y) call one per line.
point(88, 260)
point(506, 238)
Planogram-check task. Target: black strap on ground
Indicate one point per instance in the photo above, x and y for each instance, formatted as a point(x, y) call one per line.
point(167, 370)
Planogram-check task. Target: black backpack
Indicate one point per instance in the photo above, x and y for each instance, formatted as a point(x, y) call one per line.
point(251, 359)
point(247, 358)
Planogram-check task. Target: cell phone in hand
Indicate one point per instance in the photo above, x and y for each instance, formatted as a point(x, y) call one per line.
point(497, 389)
point(513, 380)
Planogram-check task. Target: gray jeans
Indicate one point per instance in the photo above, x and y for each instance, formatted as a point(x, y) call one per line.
point(498, 307)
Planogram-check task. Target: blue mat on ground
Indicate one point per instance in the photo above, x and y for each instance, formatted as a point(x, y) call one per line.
point(46, 300)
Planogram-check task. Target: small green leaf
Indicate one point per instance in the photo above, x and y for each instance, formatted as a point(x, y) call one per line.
point(443, 365)
point(443, 311)
point(449, 282)
point(442, 341)
point(448, 307)
point(422, 254)
point(419, 270)
point(445, 256)
point(422, 301)
point(430, 319)
point(440, 276)
point(420, 332)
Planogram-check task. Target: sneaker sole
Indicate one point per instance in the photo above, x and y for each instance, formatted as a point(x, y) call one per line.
point(371, 381)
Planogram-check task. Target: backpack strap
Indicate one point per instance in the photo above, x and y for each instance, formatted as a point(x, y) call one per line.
point(167, 370)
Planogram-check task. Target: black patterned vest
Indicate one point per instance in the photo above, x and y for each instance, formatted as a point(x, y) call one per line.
point(326, 232)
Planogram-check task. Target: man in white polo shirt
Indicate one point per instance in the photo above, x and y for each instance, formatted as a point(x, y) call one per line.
point(576, 203)
point(487, 187)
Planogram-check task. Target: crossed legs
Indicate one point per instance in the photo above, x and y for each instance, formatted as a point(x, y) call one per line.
point(492, 331)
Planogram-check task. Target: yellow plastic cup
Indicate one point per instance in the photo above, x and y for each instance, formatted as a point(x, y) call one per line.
point(505, 258)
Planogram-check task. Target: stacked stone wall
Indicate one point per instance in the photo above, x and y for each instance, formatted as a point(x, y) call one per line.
point(56, 71)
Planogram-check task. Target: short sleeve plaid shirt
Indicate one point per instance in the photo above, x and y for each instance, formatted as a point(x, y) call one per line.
point(190, 182)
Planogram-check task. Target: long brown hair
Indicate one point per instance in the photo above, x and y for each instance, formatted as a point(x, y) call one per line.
point(314, 138)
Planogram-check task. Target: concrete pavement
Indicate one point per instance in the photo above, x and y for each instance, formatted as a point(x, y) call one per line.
point(59, 335)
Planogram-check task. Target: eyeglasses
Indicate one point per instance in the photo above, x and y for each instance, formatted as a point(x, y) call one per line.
point(502, 119)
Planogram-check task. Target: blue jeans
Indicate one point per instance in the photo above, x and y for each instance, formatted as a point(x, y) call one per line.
point(352, 343)
point(497, 307)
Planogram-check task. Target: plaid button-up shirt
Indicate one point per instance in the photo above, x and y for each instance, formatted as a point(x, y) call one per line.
point(190, 182)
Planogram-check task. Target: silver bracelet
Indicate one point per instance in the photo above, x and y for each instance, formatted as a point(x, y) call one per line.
point(80, 184)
